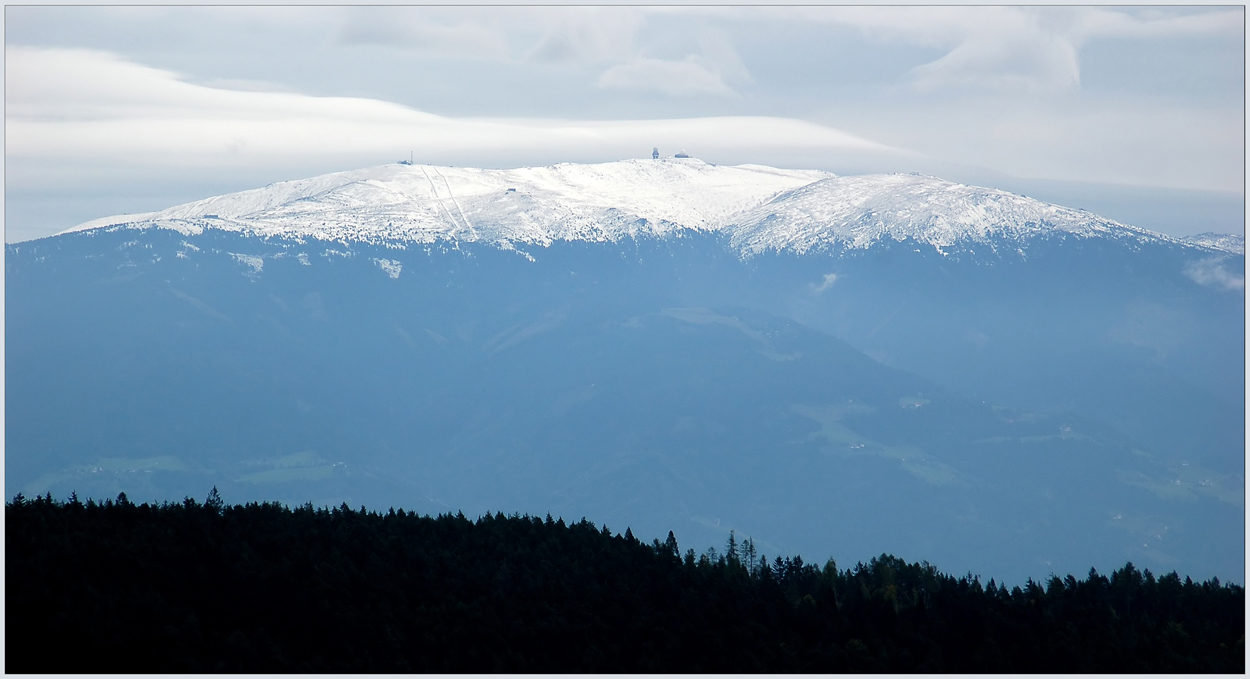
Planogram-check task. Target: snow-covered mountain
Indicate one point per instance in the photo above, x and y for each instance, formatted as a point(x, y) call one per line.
point(833, 365)
point(759, 208)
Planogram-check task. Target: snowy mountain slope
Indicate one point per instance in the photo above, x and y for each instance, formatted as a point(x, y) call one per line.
point(1223, 242)
point(419, 203)
point(759, 208)
point(855, 212)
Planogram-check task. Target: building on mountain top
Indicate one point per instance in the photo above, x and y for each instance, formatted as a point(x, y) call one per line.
point(655, 153)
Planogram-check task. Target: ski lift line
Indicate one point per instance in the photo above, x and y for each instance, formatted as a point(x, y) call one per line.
point(434, 191)
point(455, 202)
point(437, 200)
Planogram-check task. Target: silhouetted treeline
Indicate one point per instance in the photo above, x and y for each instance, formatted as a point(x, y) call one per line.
point(119, 587)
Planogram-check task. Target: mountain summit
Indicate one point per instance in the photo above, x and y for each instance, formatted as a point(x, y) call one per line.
point(758, 208)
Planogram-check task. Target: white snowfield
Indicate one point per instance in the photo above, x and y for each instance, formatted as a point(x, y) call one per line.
point(759, 208)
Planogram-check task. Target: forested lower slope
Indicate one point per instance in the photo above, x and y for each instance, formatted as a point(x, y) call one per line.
point(119, 587)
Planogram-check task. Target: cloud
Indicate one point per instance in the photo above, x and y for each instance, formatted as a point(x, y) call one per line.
point(705, 73)
point(1024, 63)
point(716, 48)
point(473, 34)
point(579, 35)
point(539, 35)
point(1014, 48)
point(463, 40)
point(690, 77)
point(1211, 272)
point(77, 114)
point(566, 36)
point(1092, 23)
point(988, 48)
point(246, 85)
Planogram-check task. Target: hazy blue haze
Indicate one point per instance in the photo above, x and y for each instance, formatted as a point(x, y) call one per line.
point(1009, 417)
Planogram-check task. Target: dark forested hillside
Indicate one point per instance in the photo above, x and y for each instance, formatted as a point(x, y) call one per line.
point(261, 587)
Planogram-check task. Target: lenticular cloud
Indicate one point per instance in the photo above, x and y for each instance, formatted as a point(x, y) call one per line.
point(89, 106)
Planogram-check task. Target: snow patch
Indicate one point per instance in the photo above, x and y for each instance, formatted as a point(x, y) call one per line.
point(255, 263)
point(392, 267)
point(1225, 242)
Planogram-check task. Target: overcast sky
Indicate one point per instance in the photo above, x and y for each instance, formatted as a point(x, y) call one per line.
point(1137, 113)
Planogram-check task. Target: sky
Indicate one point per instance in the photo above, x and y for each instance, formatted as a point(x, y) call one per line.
point(1135, 113)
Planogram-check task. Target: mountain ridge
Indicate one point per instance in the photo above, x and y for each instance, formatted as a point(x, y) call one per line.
point(757, 207)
